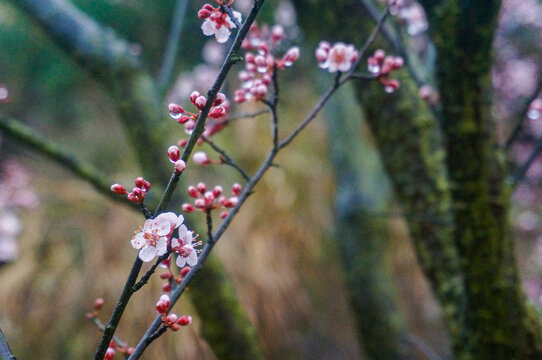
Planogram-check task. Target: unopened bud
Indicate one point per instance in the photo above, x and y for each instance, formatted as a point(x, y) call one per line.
point(118, 189)
point(166, 287)
point(174, 153)
point(236, 189)
point(193, 192)
point(187, 207)
point(220, 98)
point(209, 198)
point(217, 191)
point(185, 271)
point(202, 188)
point(184, 320)
point(180, 165)
point(224, 214)
point(98, 303)
point(201, 158)
point(200, 203)
point(200, 102)
point(175, 108)
point(194, 96)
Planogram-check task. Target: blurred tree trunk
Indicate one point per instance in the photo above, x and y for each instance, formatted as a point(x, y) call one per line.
point(450, 178)
point(362, 201)
point(109, 59)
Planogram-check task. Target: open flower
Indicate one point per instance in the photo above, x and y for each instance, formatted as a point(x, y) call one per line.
point(152, 239)
point(184, 246)
point(340, 57)
point(217, 23)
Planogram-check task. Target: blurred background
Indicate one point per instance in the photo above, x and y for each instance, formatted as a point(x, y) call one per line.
point(63, 244)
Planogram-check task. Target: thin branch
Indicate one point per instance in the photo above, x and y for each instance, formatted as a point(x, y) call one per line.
point(273, 108)
point(172, 47)
point(363, 76)
point(5, 351)
point(101, 326)
point(226, 159)
point(522, 172)
point(145, 278)
point(113, 322)
point(523, 115)
point(209, 220)
point(83, 170)
point(245, 115)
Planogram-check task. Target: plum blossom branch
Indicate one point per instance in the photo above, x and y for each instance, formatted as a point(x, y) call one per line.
point(247, 191)
point(101, 326)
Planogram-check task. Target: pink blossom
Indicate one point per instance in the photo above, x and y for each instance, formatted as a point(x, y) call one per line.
point(340, 57)
point(152, 239)
point(184, 246)
point(217, 23)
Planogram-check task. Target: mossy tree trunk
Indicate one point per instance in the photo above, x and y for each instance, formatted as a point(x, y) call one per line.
point(450, 177)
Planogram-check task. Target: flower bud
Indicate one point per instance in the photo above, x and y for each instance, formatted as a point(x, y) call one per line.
point(182, 143)
point(183, 119)
point(193, 192)
point(174, 153)
point(109, 353)
point(217, 191)
point(98, 303)
point(204, 13)
point(202, 188)
point(201, 158)
point(236, 189)
point(166, 287)
point(209, 198)
point(180, 165)
point(187, 207)
point(165, 275)
point(200, 203)
point(220, 98)
point(185, 271)
point(217, 112)
point(175, 108)
point(118, 189)
point(184, 320)
point(200, 102)
point(224, 214)
point(194, 96)
point(163, 304)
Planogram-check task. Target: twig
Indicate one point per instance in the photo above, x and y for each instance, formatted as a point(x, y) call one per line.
point(273, 108)
point(5, 351)
point(101, 326)
point(226, 159)
point(85, 171)
point(113, 322)
point(362, 76)
point(522, 172)
point(145, 278)
point(245, 115)
point(172, 47)
point(209, 219)
point(521, 119)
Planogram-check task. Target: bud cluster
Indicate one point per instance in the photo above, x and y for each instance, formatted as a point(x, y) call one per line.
point(110, 352)
point(218, 112)
point(339, 57)
point(260, 66)
point(217, 21)
point(211, 200)
point(172, 320)
point(138, 193)
point(382, 66)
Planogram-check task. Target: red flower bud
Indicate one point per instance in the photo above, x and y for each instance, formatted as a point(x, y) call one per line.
point(118, 189)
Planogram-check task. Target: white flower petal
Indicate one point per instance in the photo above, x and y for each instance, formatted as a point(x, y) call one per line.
point(161, 246)
point(179, 221)
point(138, 241)
point(147, 253)
point(208, 27)
point(175, 242)
point(181, 261)
point(192, 259)
point(222, 34)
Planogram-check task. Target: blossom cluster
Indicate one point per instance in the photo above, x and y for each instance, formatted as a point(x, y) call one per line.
point(166, 231)
point(339, 57)
point(138, 193)
point(217, 112)
point(217, 21)
point(210, 200)
point(171, 321)
point(382, 66)
point(261, 64)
